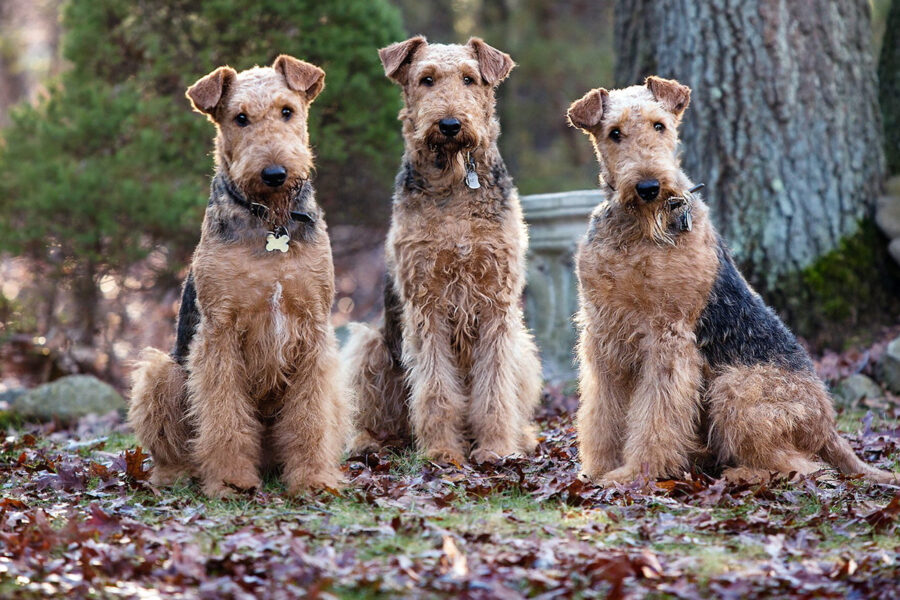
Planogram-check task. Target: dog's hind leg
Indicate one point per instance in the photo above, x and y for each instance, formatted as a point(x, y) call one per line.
point(376, 385)
point(771, 419)
point(157, 413)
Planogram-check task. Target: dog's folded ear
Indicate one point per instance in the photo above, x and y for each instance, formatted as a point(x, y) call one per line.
point(209, 91)
point(671, 94)
point(587, 112)
point(301, 76)
point(493, 64)
point(397, 57)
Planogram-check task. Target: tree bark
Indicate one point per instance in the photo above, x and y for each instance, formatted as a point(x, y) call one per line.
point(783, 127)
point(889, 87)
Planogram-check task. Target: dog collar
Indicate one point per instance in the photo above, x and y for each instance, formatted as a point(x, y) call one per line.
point(261, 211)
point(680, 208)
point(277, 238)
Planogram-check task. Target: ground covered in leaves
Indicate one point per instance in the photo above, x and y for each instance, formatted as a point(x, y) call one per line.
point(79, 519)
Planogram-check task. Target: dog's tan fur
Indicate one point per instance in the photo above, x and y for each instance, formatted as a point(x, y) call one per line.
point(651, 400)
point(453, 363)
point(260, 386)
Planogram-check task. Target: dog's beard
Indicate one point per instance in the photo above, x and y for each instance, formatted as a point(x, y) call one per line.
point(654, 216)
point(278, 200)
point(444, 149)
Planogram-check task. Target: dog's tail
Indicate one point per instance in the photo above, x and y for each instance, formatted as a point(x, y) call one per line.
point(838, 452)
point(376, 383)
point(157, 413)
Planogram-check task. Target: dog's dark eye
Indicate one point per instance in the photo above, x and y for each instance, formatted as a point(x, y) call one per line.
point(659, 127)
point(427, 81)
point(286, 113)
point(615, 135)
point(468, 80)
point(242, 120)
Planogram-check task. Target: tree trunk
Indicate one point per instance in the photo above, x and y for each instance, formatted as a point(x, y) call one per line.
point(889, 87)
point(784, 129)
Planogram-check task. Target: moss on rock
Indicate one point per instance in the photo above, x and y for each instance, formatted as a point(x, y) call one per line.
point(846, 294)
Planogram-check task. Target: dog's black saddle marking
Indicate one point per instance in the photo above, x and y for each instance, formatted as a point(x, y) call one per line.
point(737, 328)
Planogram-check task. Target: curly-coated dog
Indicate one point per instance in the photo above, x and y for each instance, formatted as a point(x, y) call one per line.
point(678, 355)
point(253, 381)
point(453, 365)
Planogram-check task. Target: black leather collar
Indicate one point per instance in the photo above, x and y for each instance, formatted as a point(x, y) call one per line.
point(221, 183)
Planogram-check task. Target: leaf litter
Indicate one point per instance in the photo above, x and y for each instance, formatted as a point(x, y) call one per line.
point(80, 519)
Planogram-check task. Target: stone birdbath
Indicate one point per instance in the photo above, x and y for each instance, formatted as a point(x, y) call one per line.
point(556, 223)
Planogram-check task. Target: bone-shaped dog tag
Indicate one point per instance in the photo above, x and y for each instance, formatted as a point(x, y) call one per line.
point(276, 241)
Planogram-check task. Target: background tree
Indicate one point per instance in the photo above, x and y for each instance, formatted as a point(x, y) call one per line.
point(112, 163)
point(561, 49)
point(784, 129)
point(889, 87)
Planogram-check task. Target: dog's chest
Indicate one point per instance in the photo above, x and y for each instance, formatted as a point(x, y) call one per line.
point(645, 282)
point(253, 288)
point(453, 259)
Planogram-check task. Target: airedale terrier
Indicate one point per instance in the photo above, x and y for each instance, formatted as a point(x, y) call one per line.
point(679, 356)
point(253, 381)
point(453, 364)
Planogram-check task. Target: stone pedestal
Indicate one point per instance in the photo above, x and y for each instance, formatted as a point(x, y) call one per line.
point(556, 223)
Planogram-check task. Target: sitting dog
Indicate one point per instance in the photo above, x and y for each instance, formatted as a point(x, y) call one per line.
point(453, 365)
point(253, 379)
point(678, 355)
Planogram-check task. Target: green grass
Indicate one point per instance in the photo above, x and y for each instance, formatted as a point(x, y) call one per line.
point(706, 543)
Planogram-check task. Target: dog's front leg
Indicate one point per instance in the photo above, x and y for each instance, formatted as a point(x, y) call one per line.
point(437, 403)
point(496, 412)
point(604, 387)
point(662, 417)
point(226, 448)
point(313, 422)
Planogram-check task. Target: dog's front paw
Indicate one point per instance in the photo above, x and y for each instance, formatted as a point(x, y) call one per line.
point(447, 456)
point(746, 475)
point(529, 440)
point(362, 444)
point(166, 475)
point(216, 487)
point(299, 481)
point(621, 475)
point(484, 455)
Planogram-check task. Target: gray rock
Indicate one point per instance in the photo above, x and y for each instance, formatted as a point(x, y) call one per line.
point(889, 366)
point(9, 397)
point(68, 399)
point(856, 388)
point(894, 249)
point(887, 216)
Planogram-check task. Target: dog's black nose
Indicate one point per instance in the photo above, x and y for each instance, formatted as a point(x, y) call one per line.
point(274, 175)
point(449, 127)
point(647, 189)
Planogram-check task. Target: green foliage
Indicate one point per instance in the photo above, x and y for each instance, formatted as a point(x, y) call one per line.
point(846, 294)
point(112, 162)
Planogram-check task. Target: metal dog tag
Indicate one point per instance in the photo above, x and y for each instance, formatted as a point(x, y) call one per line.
point(472, 180)
point(686, 222)
point(471, 176)
point(276, 240)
